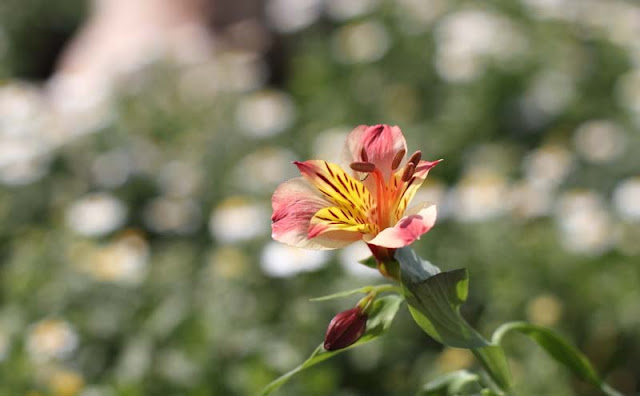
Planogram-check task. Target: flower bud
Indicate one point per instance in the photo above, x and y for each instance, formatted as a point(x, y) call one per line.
point(345, 329)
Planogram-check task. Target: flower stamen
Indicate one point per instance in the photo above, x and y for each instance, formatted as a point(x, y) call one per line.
point(397, 159)
point(415, 158)
point(364, 167)
point(409, 170)
point(363, 155)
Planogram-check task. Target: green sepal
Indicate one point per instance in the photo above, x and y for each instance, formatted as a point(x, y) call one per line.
point(380, 319)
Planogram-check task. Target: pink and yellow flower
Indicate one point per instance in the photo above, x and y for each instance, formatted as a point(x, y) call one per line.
point(328, 207)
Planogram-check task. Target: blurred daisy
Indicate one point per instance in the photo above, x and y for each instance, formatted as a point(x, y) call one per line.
point(172, 215)
point(479, 196)
point(262, 170)
point(283, 261)
point(237, 219)
point(265, 113)
point(466, 40)
point(362, 42)
point(547, 166)
point(96, 214)
point(342, 10)
point(585, 226)
point(64, 382)
point(51, 339)
point(288, 16)
point(240, 71)
point(112, 169)
point(626, 198)
point(122, 261)
point(599, 141)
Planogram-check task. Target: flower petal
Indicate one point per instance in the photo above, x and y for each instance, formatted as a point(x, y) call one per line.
point(337, 186)
point(380, 142)
point(413, 184)
point(409, 228)
point(339, 219)
point(294, 203)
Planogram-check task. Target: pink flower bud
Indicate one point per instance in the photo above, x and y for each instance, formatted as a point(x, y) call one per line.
point(345, 329)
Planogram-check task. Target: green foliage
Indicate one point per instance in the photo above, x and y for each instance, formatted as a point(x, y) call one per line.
point(380, 318)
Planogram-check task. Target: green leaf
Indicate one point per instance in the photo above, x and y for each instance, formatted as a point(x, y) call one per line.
point(370, 262)
point(454, 383)
point(380, 319)
point(347, 293)
point(434, 300)
point(558, 349)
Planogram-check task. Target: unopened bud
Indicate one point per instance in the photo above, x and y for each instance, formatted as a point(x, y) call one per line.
point(345, 328)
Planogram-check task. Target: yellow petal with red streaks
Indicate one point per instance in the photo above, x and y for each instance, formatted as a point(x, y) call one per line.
point(338, 219)
point(337, 186)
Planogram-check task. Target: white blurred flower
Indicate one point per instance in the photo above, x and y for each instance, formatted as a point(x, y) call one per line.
point(177, 367)
point(96, 214)
point(262, 170)
point(21, 162)
point(236, 220)
point(134, 360)
point(282, 261)
point(51, 339)
point(23, 110)
point(122, 261)
point(548, 94)
point(527, 200)
point(435, 192)
point(329, 144)
point(341, 10)
point(547, 166)
point(172, 215)
point(112, 169)
point(468, 39)
point(350, 256)
point(240, 71)
point(416, 16)
point(626, 198)
point(179, 179)
point(585, 225)
point(288, 16)
point(599, 141)
point(361, 42)
point(265, 113)
point(479, 196)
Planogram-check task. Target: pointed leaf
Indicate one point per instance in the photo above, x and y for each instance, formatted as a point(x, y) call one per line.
point(559, 349)
point(380, 319)
point(347, 293)
point(434, 299)
point(369, 262)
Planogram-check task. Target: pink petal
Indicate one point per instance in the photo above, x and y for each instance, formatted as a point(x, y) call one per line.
point(294, 203)
point(380, 142)
point(408, 229)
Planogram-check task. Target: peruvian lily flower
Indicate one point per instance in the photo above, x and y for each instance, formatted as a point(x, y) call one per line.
point(329, 208)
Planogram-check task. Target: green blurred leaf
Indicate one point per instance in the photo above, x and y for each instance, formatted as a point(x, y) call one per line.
point(380, 319)
point(454, 383)
point(434, 300)
point(559, 349)
point(347, 293)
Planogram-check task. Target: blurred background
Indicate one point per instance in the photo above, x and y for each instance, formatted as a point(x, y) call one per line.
point(140, 142)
